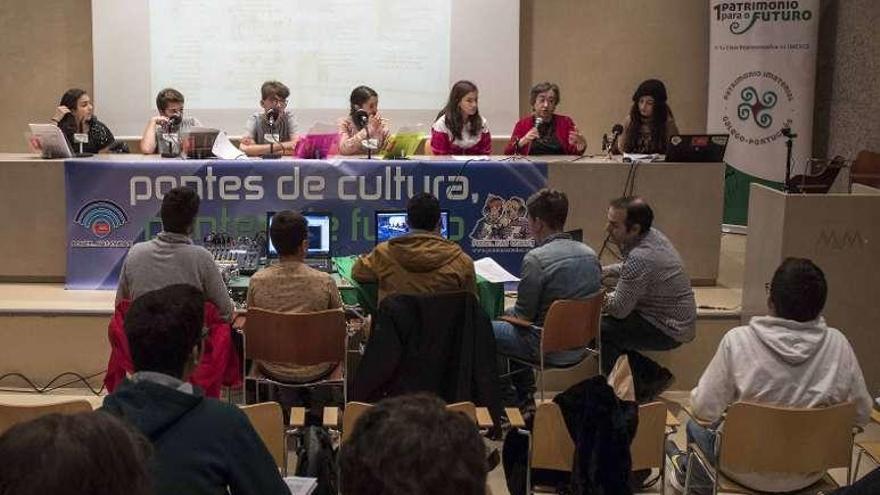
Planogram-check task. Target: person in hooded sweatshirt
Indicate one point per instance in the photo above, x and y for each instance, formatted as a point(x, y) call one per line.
point(789, 358)
point(200, 445)
point(420, 262)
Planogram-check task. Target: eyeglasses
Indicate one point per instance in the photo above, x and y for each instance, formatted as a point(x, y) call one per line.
point(278, 101)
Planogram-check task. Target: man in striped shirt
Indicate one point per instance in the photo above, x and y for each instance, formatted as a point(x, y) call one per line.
point(652, 306)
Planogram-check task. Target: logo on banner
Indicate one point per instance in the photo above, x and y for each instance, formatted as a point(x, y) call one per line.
point(755, 107)
point(742, 16)
point(101, 217)
point(503, 225)
point(752, 105)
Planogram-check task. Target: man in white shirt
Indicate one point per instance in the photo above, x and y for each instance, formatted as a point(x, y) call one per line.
point(790, 358)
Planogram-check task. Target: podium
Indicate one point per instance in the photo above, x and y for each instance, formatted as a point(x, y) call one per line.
point(841, 234)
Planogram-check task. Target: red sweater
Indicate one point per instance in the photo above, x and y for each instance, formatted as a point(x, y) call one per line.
point(442, 142)
point(562, 125)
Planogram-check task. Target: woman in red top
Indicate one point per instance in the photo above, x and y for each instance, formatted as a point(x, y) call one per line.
point(545, 132)
point(459, 129)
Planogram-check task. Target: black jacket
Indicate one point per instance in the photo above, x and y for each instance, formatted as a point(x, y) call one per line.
point(603, 428)
point(200, 445)
point(440, 343)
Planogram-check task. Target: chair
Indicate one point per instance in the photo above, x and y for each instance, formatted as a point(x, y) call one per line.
point(218, 366)
point(301, 338)
point(553, 447)
point(354, 410)
point(10, 414)
point(769, 439)
point(267, 420)
point(866, 169)
point(569, 324)
point(870, 449)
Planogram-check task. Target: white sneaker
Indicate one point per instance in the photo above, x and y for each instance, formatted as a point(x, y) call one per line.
point(672, 473)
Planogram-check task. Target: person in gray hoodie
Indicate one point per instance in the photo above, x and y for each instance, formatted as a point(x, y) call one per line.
point(789, 358)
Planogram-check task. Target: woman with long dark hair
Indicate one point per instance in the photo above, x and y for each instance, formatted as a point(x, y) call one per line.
point(650, 122)
point(353, 131)
point(459, 129)
point(75, 116)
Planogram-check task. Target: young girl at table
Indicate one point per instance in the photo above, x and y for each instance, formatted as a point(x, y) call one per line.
point(353, 131)
point(459, 129)
point(649, 124)
point(75, 116)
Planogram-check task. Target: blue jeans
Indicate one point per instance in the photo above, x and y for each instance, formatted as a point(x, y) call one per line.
point(524, 343)
point(704, 438)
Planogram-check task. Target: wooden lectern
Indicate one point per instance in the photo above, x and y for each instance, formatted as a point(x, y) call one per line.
point(841, 234)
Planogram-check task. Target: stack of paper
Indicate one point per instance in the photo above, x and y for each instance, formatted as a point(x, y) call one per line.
point(490, 270)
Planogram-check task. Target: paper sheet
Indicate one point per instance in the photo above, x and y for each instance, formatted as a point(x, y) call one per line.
point(490, 270)
point(223, 148)
point(301, 485)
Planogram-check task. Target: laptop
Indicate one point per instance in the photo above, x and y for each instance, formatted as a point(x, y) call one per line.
point(318, 255)
point(198, 142)
point(689, 148)
point(52, 143)
point(392, 223)
point(403, 145)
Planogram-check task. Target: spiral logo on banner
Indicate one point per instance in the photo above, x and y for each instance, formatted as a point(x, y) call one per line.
point(101, 217)
point(755, 107)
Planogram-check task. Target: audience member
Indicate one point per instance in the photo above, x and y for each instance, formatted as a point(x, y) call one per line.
point(75, 116)
point(652, 306)
point(271, 130)
point(545, 132)
point(420, 262)
point(171, 258)
point(76, 454)
point(291, 286)
point(353, 131)
point(412, 444)
point(161, 133)
point(557, 268)
point(201, 445)
point(789, 358)
point(459, 129)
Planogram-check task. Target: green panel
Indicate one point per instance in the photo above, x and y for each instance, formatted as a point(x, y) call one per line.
point(736, 194)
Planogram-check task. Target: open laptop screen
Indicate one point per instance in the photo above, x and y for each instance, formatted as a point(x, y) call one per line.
point(319, 234)
point(392, 223)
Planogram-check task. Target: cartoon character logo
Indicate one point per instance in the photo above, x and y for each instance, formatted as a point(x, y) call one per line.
point(502, 220)
point(101, 217)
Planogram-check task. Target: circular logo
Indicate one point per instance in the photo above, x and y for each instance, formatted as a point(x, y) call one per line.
point(757, 105)
point(101, 228)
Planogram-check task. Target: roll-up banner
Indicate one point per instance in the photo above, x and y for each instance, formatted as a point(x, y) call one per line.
point(762, 69)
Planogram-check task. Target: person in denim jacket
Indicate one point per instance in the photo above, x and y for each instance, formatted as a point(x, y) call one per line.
point(557, 268)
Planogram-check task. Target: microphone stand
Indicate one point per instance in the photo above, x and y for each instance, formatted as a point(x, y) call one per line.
point(370, 147)
point(271, 154)
point(788, 144)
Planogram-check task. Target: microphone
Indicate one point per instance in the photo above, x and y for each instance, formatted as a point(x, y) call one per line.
point(271, 115)
point(786, 131)
point(538, 121)
point(616, 131)
point(173, 122)
point(362, 117)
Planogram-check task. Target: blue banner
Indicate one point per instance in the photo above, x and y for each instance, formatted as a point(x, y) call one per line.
point(114, 204)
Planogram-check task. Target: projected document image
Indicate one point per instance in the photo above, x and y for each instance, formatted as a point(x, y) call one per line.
point(320, 50)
